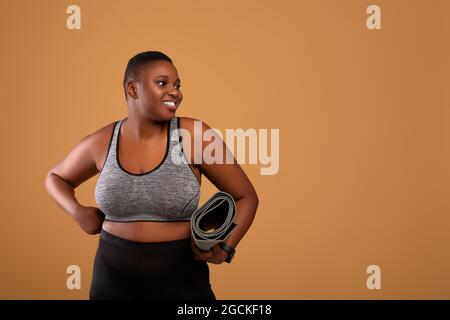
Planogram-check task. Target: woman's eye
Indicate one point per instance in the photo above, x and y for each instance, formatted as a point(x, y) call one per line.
point(163, 83)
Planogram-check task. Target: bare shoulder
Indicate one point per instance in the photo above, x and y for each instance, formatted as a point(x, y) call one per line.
point(104, 132)
point(85, 159)
point(196, 130)
point(186, 122)
point(189, 124)
point(99, 143)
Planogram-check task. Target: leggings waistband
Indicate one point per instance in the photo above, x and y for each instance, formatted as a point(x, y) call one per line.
point(130, 244)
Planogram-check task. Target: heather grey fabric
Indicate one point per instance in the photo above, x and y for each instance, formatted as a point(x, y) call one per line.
point(169, 192)
point(212, 222)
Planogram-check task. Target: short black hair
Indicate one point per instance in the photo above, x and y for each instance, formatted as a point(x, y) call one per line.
point(137, 63)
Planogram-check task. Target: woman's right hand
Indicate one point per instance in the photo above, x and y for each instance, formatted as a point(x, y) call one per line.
point(90, 219)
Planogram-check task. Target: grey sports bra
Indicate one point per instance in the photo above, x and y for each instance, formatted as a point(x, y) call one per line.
point(169, 192)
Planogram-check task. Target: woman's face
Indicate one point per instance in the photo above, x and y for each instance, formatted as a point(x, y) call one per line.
point(159, 91)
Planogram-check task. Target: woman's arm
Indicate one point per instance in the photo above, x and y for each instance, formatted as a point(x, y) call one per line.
point(229, 178)
point(232, 179)
point(60, 182)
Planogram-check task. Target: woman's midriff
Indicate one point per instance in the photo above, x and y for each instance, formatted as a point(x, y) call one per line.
point(149, 231)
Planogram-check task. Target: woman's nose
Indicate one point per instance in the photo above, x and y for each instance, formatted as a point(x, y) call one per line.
point(173, 91)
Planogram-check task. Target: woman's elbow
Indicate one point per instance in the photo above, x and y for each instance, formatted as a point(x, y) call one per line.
point(47, 181)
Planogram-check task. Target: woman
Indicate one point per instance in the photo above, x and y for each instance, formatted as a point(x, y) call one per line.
point(145, 199)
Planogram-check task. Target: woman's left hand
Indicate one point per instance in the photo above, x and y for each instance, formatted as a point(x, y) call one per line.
point(214, 255)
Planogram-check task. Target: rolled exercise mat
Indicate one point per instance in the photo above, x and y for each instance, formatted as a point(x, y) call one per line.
point(212, 223)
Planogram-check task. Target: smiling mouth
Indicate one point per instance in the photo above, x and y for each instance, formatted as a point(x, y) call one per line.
point(169, 103)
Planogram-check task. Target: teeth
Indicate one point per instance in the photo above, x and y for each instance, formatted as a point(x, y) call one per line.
point(169, 103)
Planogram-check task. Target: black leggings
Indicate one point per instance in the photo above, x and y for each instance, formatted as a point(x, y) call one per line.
point(125, 269)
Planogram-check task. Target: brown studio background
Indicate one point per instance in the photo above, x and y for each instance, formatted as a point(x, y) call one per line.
point(363, 118)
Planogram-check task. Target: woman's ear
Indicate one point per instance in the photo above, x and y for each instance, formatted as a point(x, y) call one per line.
point(132, 89)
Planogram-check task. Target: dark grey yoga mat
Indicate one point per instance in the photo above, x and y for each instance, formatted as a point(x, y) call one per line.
point(212, 222)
